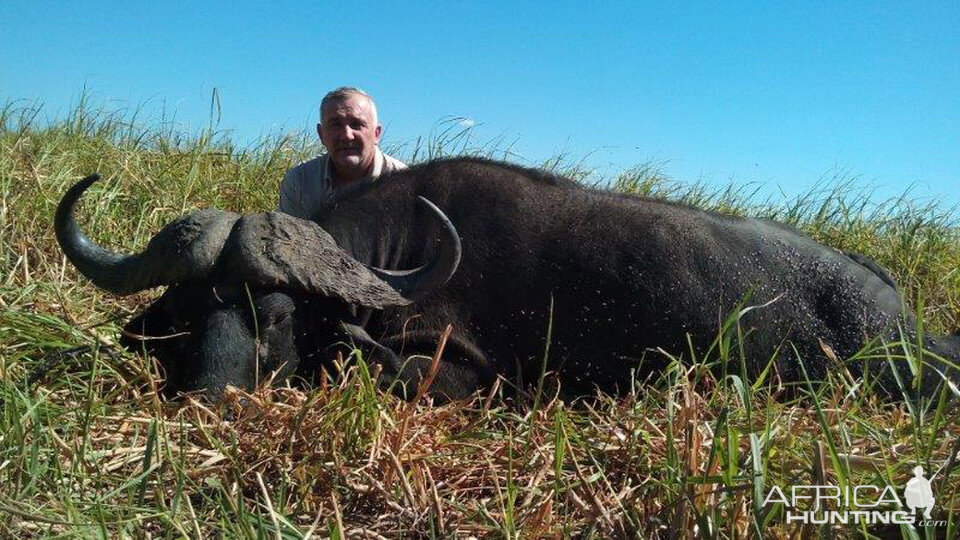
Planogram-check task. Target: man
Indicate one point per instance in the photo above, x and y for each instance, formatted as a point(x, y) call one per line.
point(350, 131)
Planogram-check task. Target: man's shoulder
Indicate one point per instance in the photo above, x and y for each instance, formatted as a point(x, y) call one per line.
point(303, 186)
point(391, 163)
point(310, 168)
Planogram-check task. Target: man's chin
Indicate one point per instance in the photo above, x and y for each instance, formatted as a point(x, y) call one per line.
point(350, 167)
point(348, 163)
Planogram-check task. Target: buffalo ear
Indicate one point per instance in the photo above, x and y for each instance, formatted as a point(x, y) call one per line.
point(275, 250)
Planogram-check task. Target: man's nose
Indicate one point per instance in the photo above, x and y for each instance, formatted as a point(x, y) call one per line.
point(348, 133)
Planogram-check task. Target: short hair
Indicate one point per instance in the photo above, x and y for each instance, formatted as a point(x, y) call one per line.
point(342, 93)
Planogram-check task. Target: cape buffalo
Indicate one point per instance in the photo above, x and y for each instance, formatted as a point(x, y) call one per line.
point(508, 256)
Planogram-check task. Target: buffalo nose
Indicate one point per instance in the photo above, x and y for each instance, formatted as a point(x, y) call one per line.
point(227, 355)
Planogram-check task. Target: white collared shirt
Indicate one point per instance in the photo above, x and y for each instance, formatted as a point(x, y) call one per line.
point(306, 187)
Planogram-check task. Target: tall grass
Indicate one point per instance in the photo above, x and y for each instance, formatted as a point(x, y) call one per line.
point(90, 450)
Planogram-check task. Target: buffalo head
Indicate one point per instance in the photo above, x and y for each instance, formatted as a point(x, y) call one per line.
point(237, 284)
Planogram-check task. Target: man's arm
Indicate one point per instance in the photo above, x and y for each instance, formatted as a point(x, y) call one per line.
point(291, 200)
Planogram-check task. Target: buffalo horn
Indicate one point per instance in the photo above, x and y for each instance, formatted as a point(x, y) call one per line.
point(421, 281)
point(185, 249)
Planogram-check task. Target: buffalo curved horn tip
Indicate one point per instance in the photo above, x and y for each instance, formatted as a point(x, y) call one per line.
point(421, 281)
point(94, 262)
point(117, 273)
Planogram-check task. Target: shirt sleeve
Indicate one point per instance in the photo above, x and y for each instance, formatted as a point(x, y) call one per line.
point(291, 201)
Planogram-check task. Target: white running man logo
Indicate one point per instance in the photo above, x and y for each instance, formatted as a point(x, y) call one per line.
point(919, 494)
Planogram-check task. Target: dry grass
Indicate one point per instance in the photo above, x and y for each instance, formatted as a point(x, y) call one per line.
point(90, 450)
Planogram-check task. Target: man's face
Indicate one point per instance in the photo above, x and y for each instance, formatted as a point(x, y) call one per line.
point(350, 132)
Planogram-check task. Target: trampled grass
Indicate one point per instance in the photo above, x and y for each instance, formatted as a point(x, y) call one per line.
point(90, 450)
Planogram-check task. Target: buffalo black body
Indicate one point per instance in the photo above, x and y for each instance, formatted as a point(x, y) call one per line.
point(616, 280)
point(626, 278)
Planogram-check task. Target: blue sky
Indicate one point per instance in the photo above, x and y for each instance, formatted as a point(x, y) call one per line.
point(779, 96)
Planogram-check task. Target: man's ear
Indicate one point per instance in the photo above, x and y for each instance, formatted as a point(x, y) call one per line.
point(319, 131)
point(378, 132)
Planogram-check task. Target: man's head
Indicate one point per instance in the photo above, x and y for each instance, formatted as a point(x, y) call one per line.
point(350, 131)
